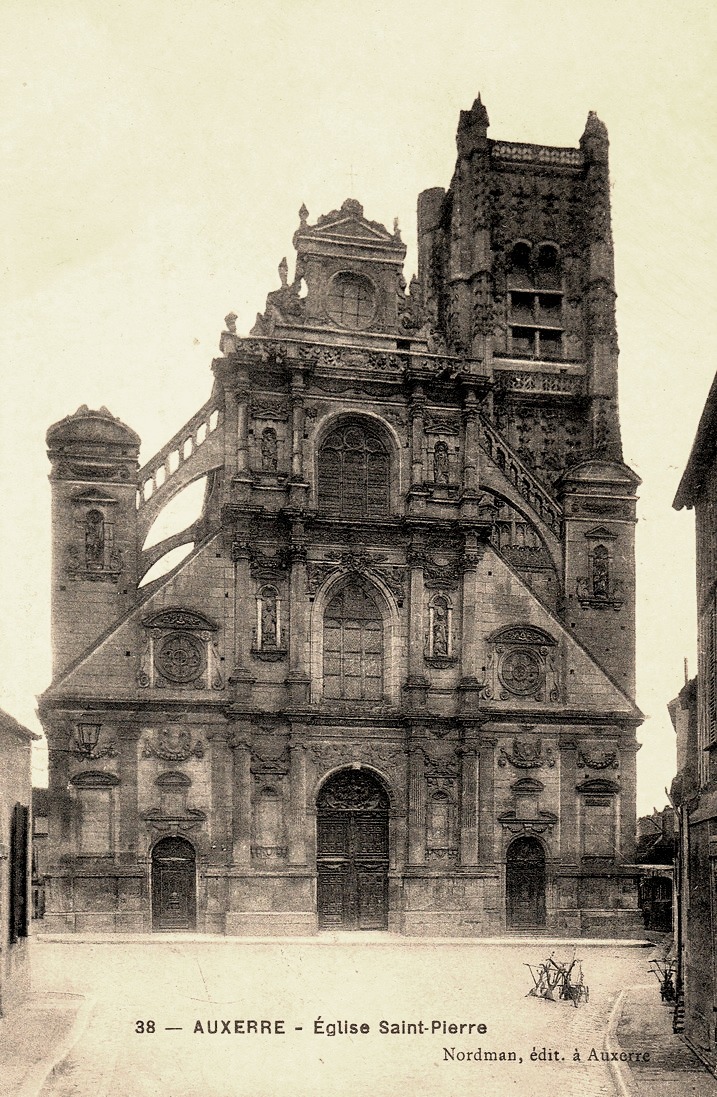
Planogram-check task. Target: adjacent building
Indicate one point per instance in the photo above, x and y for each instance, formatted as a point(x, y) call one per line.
point(392, 683)
point(15, 803)
point(694, 791)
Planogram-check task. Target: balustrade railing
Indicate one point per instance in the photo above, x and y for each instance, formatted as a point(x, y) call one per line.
point(534, 493)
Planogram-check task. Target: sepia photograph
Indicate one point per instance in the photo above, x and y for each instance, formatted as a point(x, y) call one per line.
point(358, 568)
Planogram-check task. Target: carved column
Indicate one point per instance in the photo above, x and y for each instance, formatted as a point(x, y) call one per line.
point(221, 796)
point(241, 802)
point(416, 687)
point(470, 686)
point(298, 679)
point(416, 807)
point(297, 798)
point(417, 411)
point(568, 803)
point(128, 738)
point(469, 804)
point(297, 425)
point(241, 678)
point(486, 802)
point(470, 442)
point(242, 421)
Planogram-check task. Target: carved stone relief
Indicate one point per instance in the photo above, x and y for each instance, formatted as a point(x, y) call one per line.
point(173, 744)
point(526, 754)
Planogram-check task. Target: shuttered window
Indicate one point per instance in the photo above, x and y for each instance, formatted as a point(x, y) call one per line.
point(353, 647)
point(354, 474)
point(18, 872)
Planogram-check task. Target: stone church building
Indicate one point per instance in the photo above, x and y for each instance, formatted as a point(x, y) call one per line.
point(391, 686)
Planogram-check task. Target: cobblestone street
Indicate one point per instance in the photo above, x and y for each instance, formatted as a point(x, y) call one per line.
point(172, 985)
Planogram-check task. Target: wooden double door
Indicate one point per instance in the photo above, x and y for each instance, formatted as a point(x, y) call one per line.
point(352, 853)
point(525, 883)
point(174, 888)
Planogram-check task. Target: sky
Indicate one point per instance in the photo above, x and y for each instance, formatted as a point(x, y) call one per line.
point(154, 159)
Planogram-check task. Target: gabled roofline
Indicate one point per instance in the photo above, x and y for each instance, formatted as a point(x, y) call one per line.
point(702, 454)
point(10, 725)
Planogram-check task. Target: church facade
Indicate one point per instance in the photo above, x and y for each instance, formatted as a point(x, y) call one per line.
point(391, 686)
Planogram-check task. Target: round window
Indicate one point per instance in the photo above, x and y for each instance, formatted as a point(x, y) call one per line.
point(351, 300)
point(520, 672)
point(180, 658)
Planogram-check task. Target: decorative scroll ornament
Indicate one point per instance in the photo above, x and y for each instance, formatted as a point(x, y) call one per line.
point(94, 753)
point(174, 824)
point(326, 756)
point(443, 765)
point(180, 648)
point(278, 766)
point(607, 760)
point(353, 790)
point(440, 576)
point(527, 755)
point(522, 664)
point(173, 745)
point(266, 565)
point(545, 820)
point(361, 563)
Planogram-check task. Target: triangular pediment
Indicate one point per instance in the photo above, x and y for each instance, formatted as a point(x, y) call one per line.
point(348, 227)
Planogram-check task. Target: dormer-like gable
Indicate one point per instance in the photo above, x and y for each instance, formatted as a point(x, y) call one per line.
point(348, 283)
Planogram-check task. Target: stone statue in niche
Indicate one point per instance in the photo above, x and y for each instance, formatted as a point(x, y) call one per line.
point(269, 450)
point(440, 627)
point(601, 573)
point(94, 539)
point(269, 636)
point(440, 463)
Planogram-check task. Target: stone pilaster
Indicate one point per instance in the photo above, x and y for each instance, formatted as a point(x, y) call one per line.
point(127, 739)
point(626, 803)
point(297, 801)
point(416, 687)
point(470, 446)
point(242, 423)
point(221, 796)
point(417, 411)
point(241, 678)
point(469, 804)
point(486, 802)
point(297, 680)
point(60, 815)
point(569, 808)
point(297, 425)
point(470, 685)
point(241, 799)
point(416, 807)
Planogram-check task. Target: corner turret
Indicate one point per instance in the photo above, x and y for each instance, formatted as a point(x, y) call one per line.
point(94, 527)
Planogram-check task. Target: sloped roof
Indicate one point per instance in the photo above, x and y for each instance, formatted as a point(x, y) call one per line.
point(702, 455)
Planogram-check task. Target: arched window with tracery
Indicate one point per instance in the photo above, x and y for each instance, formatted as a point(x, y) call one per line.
point(354, 473)
point(353, 646)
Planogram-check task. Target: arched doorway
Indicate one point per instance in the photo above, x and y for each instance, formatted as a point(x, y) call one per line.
point(174, 888)
point(525, 883)
point(352, 852)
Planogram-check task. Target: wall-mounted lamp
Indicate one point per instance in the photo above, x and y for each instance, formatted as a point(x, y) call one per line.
point(88, 735)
